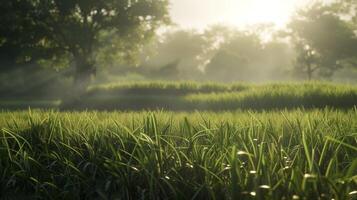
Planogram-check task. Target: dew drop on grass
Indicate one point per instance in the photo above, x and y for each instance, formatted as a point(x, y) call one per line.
point(310, 176)
point(264, 187)
point(135, 169)
point(227, 167)
point(189, 165)
point(239, 153)
point(296, 197)
point(353, 193)
point(286, 167)
point(253, 194)
point(323, 195)
point(252, 172)
point(341, 182)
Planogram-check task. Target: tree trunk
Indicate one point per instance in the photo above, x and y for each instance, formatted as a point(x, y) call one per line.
point(309, 71)
point(85, 69)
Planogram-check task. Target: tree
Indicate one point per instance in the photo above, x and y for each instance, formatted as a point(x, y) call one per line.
point(236, 58)
point(79, 31)
point(246, 55)
point(322, 39)
point(306, 61)
point(348, 10)
point(179, 49)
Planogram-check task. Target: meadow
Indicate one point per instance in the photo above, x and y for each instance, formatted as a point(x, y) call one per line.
point(300, 154)
point(182, 140)
point(188, 96)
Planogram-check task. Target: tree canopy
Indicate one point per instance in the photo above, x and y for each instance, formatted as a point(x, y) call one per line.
point(78, 31)
point(322, 38)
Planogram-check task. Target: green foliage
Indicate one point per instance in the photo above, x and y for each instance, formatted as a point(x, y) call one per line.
point(244, 155)
point(174, 55)
point(245, 56)
point(77, 30)
point(323, 39)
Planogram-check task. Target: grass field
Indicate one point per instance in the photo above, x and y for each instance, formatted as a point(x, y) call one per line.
point(188, 96)
point(296, 154)
point(32, 103)
point(199, 141)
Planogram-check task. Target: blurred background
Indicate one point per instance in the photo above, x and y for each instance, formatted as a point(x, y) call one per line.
point(196, 40)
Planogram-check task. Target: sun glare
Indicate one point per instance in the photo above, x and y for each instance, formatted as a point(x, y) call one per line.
point(265, 11)
point(200, 13)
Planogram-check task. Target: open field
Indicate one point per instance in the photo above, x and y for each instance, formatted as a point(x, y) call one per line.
point(188, 96)
point(178, 99)
point(296, 154)
point(25, 104)
point(200, 141)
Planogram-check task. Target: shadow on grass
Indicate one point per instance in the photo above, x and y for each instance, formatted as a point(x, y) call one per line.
point(179, 103)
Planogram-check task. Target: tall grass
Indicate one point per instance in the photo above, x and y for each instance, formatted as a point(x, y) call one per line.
point(278, 96)
point(164, 88)
point(217, 97)
point(163, 155)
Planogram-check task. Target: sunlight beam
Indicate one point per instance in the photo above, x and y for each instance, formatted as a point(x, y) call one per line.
point(240, 13)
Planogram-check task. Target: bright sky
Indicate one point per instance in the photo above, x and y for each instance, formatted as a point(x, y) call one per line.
point(200, 13)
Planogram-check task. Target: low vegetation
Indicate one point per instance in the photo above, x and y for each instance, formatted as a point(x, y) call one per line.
point(92, 107)
point(202, 155)
point(279, 96)
point(164, 88)
point(217, 97)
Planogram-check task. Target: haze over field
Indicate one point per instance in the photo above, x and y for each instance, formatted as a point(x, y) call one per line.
point(201, 13)
point(214, 40)
point(178, 99)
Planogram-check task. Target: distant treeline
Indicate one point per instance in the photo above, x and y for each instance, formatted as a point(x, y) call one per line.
point(319, 43)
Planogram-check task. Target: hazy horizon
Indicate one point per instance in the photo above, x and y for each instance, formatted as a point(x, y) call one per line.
point(240, 13)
